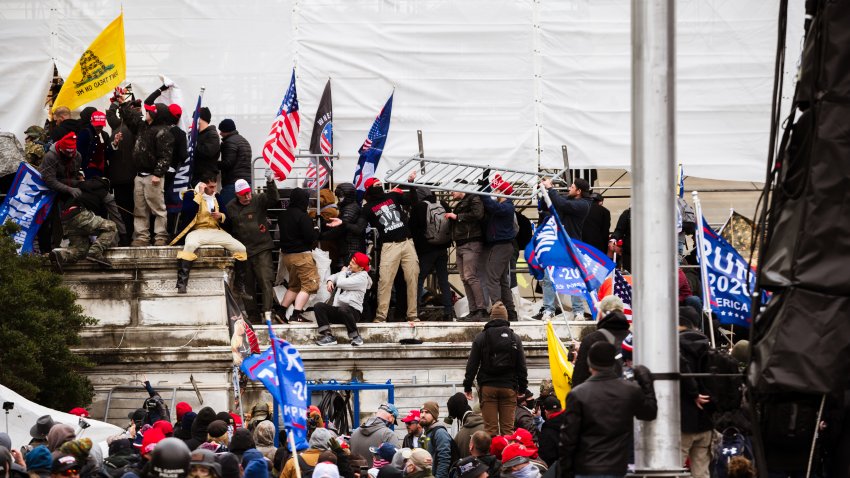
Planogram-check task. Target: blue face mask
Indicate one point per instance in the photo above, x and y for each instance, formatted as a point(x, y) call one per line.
point(529, 471)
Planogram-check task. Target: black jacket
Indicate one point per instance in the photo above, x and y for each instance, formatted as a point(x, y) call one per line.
point(249, 225)
point(297, 233)
point(598, 425)
point(122, 169)
point(617, 324)
point(207, 150)
point(353, 236)
point(154, 146)
point(597, 227)
point(572, 212)
point(475, 371)
point(693, 354)
point(550, 436)
point(235, 159)
point(623, 231)
point(68, 126)
point(468, 227)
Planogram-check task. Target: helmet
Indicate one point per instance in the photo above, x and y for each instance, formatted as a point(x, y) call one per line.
point(170, 459)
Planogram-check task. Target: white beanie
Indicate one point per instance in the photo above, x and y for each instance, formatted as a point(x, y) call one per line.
point(325, 469)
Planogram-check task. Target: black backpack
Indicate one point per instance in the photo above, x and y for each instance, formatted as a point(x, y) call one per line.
point(455, 451)
point(499, 352)
point(306, 470)
point(725, 391)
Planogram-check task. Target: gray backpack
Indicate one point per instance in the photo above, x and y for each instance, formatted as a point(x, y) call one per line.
point(438, 229)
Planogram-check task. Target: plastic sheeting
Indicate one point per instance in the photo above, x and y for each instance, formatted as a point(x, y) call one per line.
point(497, 82)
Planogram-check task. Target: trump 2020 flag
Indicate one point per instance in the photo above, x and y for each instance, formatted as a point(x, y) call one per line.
point(370, 152)
point(727, 279)
point(27, 204)
point(281, 370)
point(101, 67)
point(321, 142)
point(279, 149)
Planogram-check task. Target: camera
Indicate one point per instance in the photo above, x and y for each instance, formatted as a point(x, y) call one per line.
point(84, 424)
point(8, 406)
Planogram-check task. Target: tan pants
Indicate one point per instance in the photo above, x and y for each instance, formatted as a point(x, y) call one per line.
point(211, 237)
point(498, 409)
point(697, 447)
point(393, 254)
point(149, 199)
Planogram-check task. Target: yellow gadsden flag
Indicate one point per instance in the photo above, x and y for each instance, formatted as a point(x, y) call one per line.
point(100, 69)
point(559, 365)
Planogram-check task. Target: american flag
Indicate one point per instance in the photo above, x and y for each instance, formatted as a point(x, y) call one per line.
point(373, 147)
point(279, 150)
point(623, 290)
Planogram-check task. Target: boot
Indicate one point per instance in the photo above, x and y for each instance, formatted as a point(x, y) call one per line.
point(240, 272)
point(183, 268)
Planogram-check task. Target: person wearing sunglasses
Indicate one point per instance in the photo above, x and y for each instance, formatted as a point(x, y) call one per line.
point(65, 466)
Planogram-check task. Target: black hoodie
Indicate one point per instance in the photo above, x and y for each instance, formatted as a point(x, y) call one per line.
point(353, 223)
point(616, 323)
point(475, 366)
point(199, 427)
point(154, 147)
point(385, 212)
point(296, 228)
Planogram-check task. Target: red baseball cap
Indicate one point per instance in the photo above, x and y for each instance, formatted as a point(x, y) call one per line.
point(371, 181)
point(515, 454)
point(362, 260)
point(80, 412)
point(67, 143)
point(98, 119)
point(521, 436)
point(175, 110)
point(412, 416)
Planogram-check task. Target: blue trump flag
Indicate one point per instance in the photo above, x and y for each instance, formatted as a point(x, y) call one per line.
point(370, 152)
point(281, 370)
point(183, 175)
point(27, 204)
point(727, 278)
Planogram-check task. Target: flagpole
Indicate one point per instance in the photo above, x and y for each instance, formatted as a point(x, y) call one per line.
point(703, 269)
point(238, 391)
point(560, 304)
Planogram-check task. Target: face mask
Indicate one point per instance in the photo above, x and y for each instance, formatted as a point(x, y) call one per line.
point(529, 471)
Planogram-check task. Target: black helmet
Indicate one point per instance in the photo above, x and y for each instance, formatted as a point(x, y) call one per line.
point(170, 459)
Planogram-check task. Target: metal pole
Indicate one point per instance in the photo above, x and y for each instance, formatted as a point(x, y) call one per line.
point(703, 270)
point(653, 227)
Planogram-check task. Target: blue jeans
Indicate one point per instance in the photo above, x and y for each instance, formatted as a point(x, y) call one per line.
point(578, 304)
point(549, 297)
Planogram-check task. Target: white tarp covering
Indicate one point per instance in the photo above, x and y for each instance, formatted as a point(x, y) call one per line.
point(25, 414)
point(498, 82)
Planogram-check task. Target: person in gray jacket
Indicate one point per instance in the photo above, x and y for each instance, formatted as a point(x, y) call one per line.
point(374, 431)
point(350, 284)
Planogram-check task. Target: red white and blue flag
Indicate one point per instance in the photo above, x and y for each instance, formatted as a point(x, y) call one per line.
point(373, 146)
point(623, 290)
point(321, 142)
point(279, 149)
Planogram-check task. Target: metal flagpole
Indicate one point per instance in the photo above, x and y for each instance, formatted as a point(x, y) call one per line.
point(548, 201)
point(657, 443)
point(703, 269)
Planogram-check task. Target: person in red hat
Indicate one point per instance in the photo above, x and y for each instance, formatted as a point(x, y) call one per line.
point(385, 212)
point(80, 412)
point(500, 231)
point(414, 430)
point(516, 462)
point(93, 143)
point(348, 287)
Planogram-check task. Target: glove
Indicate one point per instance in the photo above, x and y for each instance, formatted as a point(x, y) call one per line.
point(334, 445)
point(76, 192)
point(644, 378)
point(485, 179)
point(270, 176)
point(166, 82)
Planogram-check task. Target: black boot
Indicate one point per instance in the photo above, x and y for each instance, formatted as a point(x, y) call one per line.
point(183, 268)
point(240, 273)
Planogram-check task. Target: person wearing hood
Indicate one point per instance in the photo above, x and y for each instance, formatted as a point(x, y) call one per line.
point(60, 434)
point(235, 159)
point(249, 224)
point(551, 429)
point(374, 431)
point(612, 320)
point(264, 439)
point(350, 284)
point(202, 224)
point(497, 363)
point(319, 442)
point(437, 439)
point(39, 461)
point(122, 457)
point(297, 238)
point(259, 413)
point(202, 421)
point(432, 238)
point(207, 147)
point(352, 236)
point(516, 462)
point(241, 441)
point(230, 465)
point(152, 154)
point(695, 403)
point(385, 212)
point(470, 421)
point(62, 124)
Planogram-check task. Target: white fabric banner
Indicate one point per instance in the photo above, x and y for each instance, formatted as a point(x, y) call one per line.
point(488, 81)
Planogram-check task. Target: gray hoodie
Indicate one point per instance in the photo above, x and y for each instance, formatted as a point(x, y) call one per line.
point(371, 434)
point(351, 288)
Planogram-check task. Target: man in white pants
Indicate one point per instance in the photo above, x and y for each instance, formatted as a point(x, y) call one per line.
point(201, 223)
